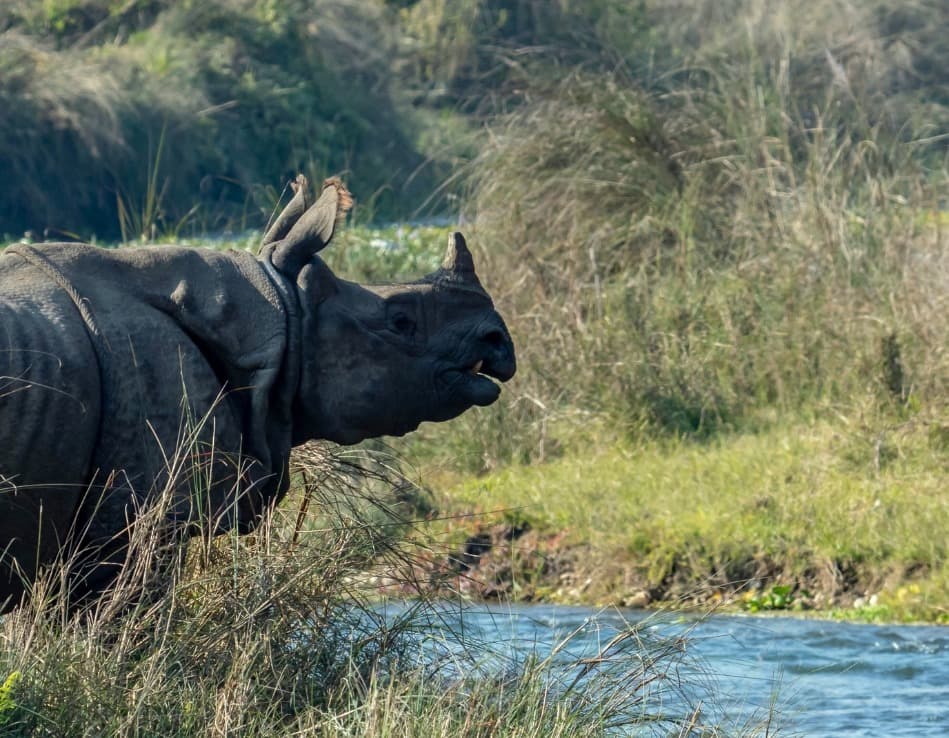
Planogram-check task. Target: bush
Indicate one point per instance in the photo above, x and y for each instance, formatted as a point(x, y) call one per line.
point(191, 113)
point(737, 230)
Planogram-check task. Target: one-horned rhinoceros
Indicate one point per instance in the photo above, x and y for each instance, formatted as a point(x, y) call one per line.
point(110, 358)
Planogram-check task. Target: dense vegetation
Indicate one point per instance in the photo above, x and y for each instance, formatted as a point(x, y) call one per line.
point(277, 634)
point(729, 220)
point(159, 115)
point(717, 230)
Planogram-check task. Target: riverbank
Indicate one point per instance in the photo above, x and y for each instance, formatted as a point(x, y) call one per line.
point(279, 633)
point(825, 518)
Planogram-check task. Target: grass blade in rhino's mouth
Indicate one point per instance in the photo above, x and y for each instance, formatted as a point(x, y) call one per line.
point(483, 369)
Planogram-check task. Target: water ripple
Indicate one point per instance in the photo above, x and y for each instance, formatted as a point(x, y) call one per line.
point(832, 679)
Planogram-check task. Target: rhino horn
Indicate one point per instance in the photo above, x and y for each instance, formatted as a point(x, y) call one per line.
point(458, 258)
point(313, 230)
point(297, 206)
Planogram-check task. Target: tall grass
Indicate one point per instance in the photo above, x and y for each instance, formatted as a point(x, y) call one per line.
point(709, 229)
point(241, 94)
point(283, 632)
point(692, 242)
point(58, 109)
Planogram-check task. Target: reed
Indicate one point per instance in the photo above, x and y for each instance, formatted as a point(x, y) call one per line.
point(286, 632)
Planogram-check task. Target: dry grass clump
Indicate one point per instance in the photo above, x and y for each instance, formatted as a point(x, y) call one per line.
point(284, 632)
point(740, 229)
point(241, 634)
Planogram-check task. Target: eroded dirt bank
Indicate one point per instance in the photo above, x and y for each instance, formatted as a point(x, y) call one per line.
point(512, 562)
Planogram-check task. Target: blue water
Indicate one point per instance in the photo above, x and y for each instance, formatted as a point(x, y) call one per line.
point(805, 678)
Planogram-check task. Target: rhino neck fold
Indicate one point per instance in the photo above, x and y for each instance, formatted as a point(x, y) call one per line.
point(286, 390)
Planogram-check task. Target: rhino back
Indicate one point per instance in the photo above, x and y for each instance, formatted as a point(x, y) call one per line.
point(192, 343)
point(143, 353)
point(49, 416)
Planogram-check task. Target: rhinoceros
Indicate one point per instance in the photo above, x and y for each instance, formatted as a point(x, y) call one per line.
point(110, 359)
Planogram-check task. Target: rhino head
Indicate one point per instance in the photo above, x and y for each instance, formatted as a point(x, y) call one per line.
point(380, 359)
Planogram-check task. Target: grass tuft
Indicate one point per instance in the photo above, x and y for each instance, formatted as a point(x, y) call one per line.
point(286, 632)
point(733, 233)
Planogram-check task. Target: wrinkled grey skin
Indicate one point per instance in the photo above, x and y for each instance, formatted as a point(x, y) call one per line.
point(108, 359)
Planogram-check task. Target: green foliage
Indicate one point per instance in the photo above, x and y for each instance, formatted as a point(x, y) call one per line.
point(209, 105)
point(452, 52)
point(8, 703)
point(394, 253)
point(778, 597)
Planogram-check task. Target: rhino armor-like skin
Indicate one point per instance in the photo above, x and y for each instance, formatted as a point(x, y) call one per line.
point(110, 360)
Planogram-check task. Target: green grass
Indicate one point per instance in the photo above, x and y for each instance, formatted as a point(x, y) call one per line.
point(803, 506)
point(279, 633)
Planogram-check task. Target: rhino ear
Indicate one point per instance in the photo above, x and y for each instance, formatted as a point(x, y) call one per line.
point(458, 260)
point(313, 231)
point(298, 204)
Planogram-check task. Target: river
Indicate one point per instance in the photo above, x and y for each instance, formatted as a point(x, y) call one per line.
point(815, 678)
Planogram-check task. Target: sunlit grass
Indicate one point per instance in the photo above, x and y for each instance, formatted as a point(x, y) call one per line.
point(283, 633)
point(801, 497)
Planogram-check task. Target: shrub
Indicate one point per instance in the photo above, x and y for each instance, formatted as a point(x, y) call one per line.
point(737, 230)
point(194, 104)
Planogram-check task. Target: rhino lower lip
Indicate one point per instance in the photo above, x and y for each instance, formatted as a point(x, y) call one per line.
point(474, 383)
point(480, 389)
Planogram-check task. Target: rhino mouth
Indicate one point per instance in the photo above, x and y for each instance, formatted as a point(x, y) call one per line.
point(475, 382)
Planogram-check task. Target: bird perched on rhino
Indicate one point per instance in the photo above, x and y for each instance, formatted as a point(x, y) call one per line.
point(107, 354)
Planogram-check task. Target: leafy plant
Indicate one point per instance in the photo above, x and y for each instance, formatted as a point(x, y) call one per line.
point(778, 597)
point(8, 703)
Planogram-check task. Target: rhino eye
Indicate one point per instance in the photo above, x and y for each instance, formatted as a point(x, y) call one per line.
point(402, 324)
